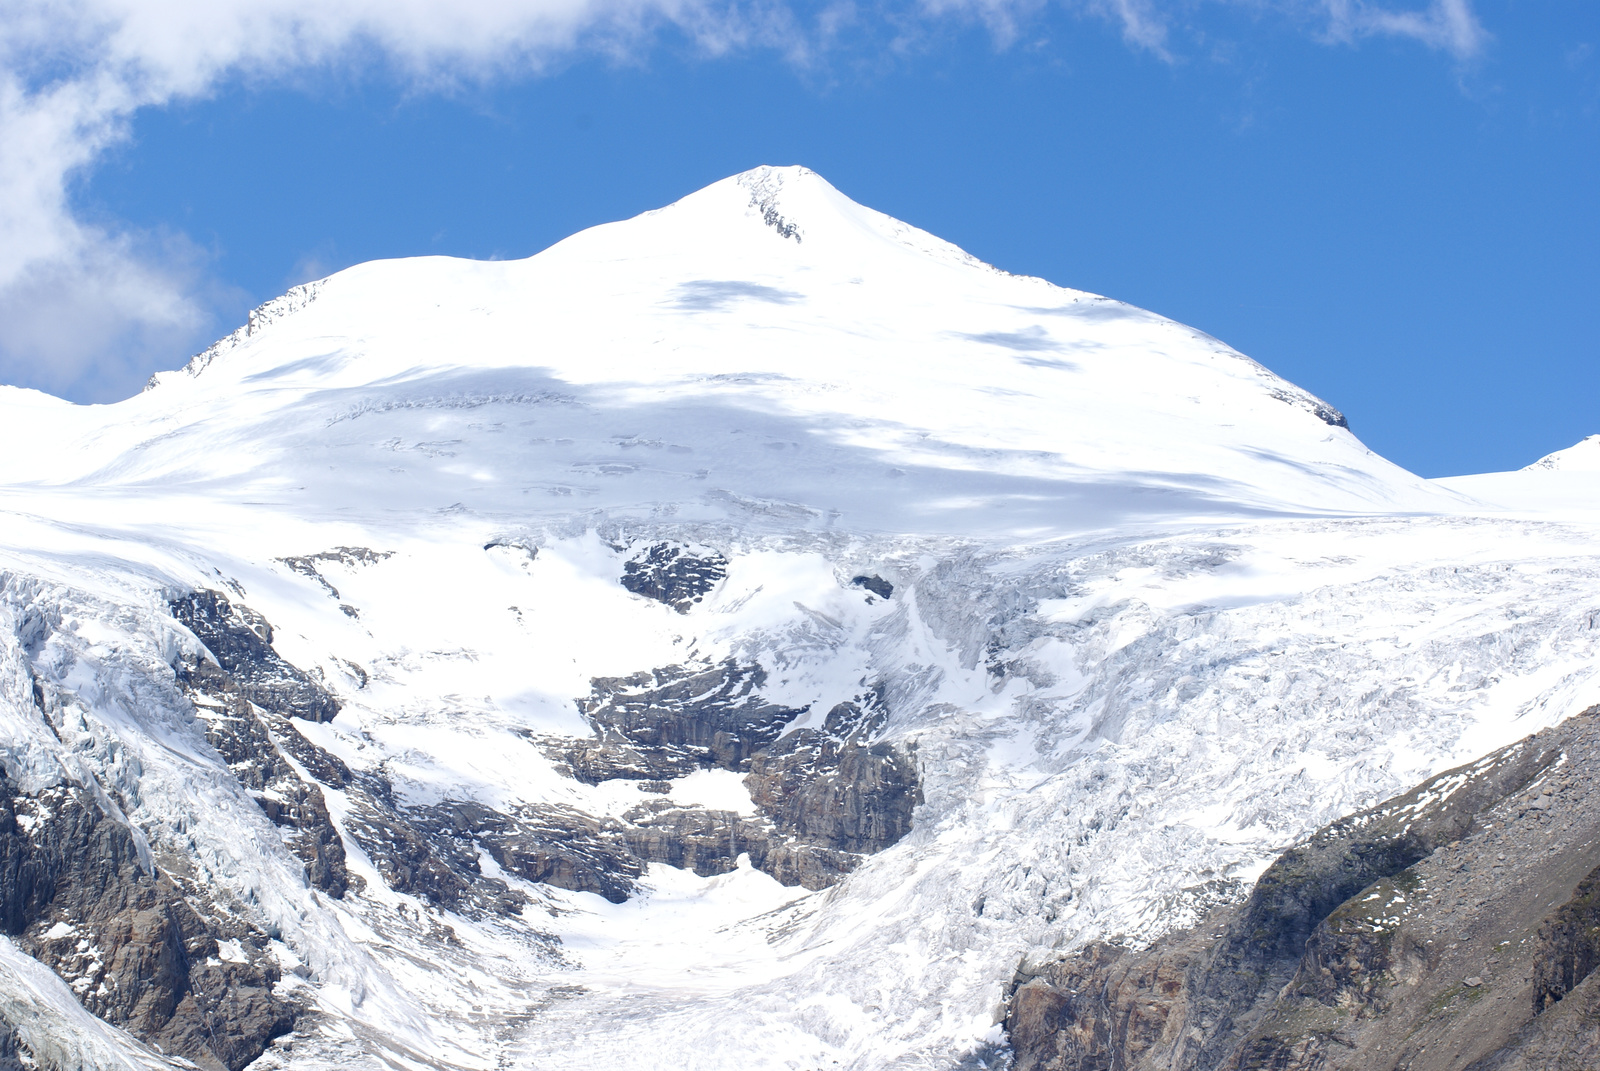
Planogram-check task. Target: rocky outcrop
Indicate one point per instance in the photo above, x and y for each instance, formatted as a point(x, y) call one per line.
point(1423, 933)
point(695, 838)
point(247, 700)
point(1564, 1037)
point(875, 584)
point(310, 565)
point(552, 845)
point(241, 642)
point(133, 945)
point(428, 852)
point(835, 787)
point(713, 715)
point(14, 1052)
point(827, 796)
point(594, 761)
point(711, 841)
point(249, 725)
point(237, 729)
point(1103, 1008)
point(1312, 404)
point(1569, 946)
point(677, 575)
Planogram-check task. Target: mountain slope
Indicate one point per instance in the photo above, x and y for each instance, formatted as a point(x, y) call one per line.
point(754, 628)
point(1581, 457)
point(763, 339)
point(1565, 483)
point(1443, 929)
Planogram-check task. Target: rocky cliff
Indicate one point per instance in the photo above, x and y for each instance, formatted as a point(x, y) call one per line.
point(1452, 928)
point(140, 947)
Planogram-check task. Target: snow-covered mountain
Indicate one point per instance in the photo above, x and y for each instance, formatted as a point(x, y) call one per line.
point(1584, 456)
point(747, 632)
point(763, 339)
point(1564, 484)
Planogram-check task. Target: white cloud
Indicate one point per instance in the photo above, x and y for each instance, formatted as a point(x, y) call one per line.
point(84, 303)
point(1142, 25)
point(90, 323)
point(81, 303)
point(1447, 25)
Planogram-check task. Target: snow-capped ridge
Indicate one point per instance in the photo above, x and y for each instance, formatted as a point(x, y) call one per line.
point(1582, 456)
point(262, 316)
point(764, 339)
point(1564, 482)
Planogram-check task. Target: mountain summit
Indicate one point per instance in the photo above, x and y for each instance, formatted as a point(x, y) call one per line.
point(764, 339)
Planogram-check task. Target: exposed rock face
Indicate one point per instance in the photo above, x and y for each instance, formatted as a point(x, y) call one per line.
point(307, 565)
point(132, 944)
point(429, 852)
point(875, 584)
point(1424, 933)
point(235, 727)
point(826, 796)
point(594, 761)
point(14, 1053)
point(241, 641)
point(1102, 1006)
point(711, 841)
point(713, 715)
point(1313, 405)
point(695, 838)
point(1569, 946)
point(1565, 1037)
point(250, 726)
point(674, 574)
point(409, 861)
point(553, 845)
point(835, 788)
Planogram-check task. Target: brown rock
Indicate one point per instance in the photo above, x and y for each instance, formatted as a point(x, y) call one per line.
point(1471, 934)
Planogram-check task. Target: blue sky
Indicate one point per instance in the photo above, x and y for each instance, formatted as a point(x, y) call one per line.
point(1400, 220)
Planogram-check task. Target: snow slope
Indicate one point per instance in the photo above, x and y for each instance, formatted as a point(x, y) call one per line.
point(1581, 457)
point(763, 339)
point(1565, 483)
point(1156, 614)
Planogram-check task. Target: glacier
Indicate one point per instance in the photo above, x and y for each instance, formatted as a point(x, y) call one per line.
point(1139, 612)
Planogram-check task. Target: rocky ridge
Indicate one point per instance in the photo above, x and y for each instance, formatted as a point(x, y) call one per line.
point(1453, 928)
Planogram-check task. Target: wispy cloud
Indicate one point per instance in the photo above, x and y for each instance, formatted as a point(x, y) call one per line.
point(1448, 26)
point(1444, 24)
point(1142, 23)
point(84, 301)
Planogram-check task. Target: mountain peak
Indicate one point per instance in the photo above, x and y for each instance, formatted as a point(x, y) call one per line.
point(1582, 456)
point(765, 337)
point(766, 185)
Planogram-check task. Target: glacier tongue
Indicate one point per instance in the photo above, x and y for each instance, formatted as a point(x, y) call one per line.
point(690, 540)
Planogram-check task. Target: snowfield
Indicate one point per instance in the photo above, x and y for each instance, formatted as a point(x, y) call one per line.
point(1156, 613)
